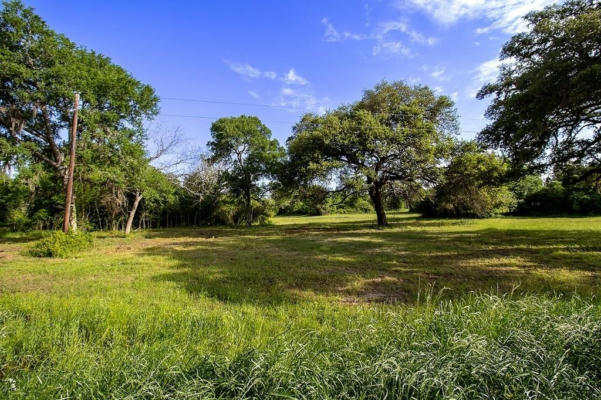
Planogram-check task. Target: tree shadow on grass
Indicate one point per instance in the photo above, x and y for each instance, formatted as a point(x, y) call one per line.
point(8, 237)
point(353, 263)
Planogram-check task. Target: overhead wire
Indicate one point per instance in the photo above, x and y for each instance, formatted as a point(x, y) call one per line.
point(246, 104)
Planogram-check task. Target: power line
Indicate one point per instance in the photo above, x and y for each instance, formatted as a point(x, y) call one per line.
point(239, 103)
point(209, 101)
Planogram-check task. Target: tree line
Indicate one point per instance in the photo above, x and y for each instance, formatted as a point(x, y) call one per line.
point(397, 146)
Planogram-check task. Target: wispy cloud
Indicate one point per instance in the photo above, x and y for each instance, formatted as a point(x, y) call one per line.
point(505, 15)
point(488, 70)
point(331, 34)
point(302, 99)
point(382, 35)
point(484, 73)
point(439, 74)
point(385, 28)
point(247, 71)
point(391, 48)
point(244, 70)
point(292, 78)
point(254, 95)
point(295, 91)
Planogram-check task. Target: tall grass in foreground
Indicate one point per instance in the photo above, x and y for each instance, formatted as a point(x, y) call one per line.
point(477, 347)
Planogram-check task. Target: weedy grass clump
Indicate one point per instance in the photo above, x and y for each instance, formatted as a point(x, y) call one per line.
point(60, 245)
point(479, 347)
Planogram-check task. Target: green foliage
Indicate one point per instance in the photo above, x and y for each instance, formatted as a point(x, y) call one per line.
point(229, 211)
point(546, 104)
point(245, 147)
point(471, 187)
point(394, 133)
point(40, 70)
point(302, 200)
point(556, 199)
point(573, 189)
point(60, 244)
point(30, 199)
point(526, 186)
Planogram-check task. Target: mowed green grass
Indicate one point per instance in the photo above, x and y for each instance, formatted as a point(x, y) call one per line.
point(309, 307)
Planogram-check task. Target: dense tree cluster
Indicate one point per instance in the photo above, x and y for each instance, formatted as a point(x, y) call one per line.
point(396, 147)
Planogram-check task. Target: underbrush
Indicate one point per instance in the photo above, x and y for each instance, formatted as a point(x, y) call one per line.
point(478, 347)
point(60, 244)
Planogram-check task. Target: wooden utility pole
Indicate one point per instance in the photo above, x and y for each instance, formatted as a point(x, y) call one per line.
point(73, 139)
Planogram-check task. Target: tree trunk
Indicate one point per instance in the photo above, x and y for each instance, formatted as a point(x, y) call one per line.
point(73, 213)
point(132, 213)
point(375, 194)
point(249, 209)
point(73, 219)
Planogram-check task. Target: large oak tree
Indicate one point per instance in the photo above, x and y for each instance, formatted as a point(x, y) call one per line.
point(395, 133)
point(546, 107)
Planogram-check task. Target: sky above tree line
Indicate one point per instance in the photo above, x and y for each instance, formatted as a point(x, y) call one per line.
point(280, 59)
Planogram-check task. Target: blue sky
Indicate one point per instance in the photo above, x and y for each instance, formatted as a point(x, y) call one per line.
point(291, 57)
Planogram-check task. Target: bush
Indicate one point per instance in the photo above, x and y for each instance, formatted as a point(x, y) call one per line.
point(472, 187)
point(230, 211)
point(557, 199)
point(60, 244)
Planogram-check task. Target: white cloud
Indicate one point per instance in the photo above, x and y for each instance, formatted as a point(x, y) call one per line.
point(505, 15)
point(249, 72)
point(439, 74)
point(385, 44)
point(292, 78)
point(302, 99)
point(391, 48)
point(331, 34)
point(485, 73)
point(254, 95)
point(295, 91)
point(385, 28)
point(244, 70)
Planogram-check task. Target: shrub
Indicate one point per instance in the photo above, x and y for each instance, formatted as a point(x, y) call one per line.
point(472, 186)
point(230, 211)
point(557, 199)
point(60, 244)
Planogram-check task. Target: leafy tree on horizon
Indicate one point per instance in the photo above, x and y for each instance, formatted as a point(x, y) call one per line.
point(546, 106)
point(244, 146)
point(395, 133)
point(39, 72)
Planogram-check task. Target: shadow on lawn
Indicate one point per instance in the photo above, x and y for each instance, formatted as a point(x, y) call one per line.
point(357, 263)
point(8, 237)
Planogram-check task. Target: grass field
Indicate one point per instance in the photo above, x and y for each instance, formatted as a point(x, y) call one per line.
point(309, 307)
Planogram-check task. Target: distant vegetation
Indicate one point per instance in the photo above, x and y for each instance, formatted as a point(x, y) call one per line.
point(396, 147)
